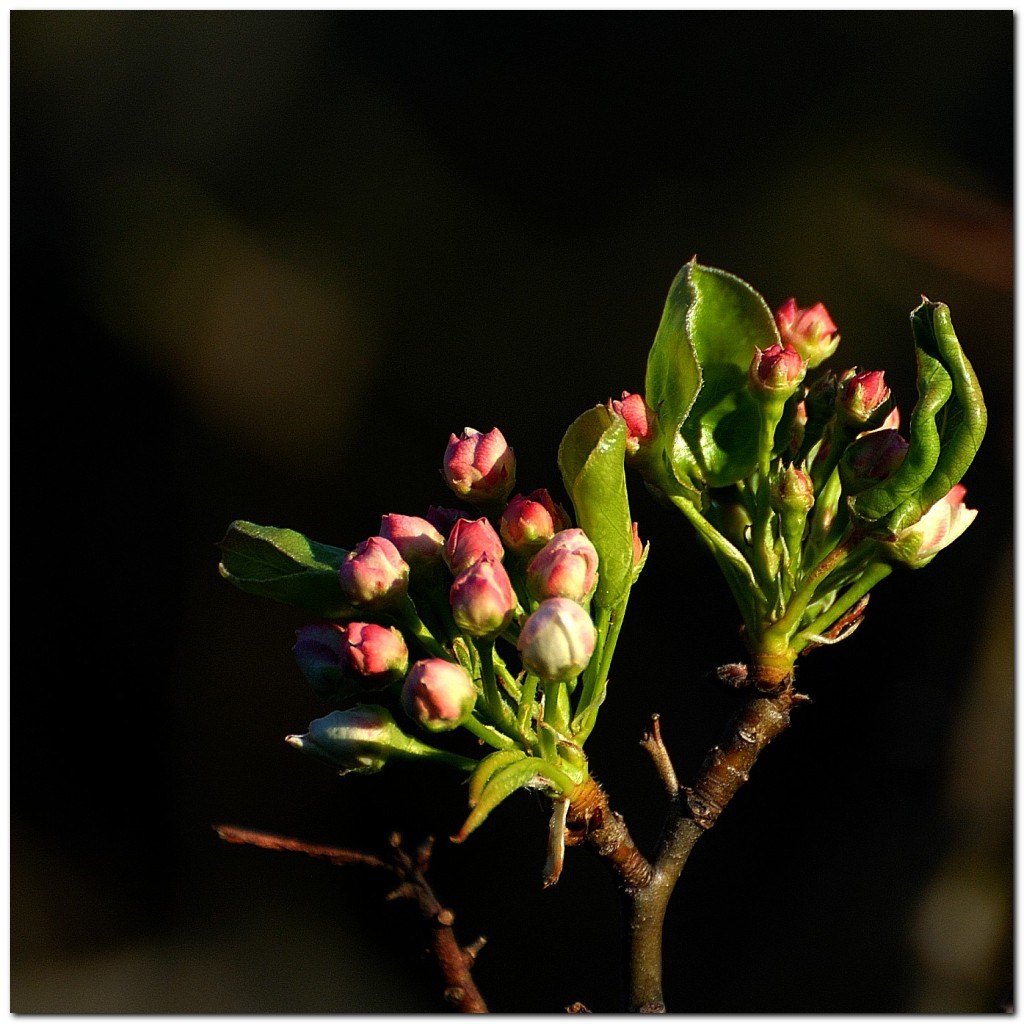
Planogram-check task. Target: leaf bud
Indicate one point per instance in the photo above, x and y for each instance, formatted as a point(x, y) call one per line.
point(810, 331)
point(565, 567)
point(557, 641)
point(374, 574)
point(480, 467)
point(438, 694)
point(482, 598)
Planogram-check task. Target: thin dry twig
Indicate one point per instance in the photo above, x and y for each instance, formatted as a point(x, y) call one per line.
point(455, 961)
point(655, 746)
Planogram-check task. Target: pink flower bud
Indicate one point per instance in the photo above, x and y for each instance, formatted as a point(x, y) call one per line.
point(872, 458)
point(565, 567)
point(375, 653)
point(527, 524)
point(438, 694)
point(640, 419)
point(470, 540)
point(443, 519)
point(777, 371)
point(417, 541)
point(317, 652)
point(917, 545)
point(374, 574)
point(557, 640)
point(864, 400)
point(810, 331)
point(482, 598)
point(480, 467)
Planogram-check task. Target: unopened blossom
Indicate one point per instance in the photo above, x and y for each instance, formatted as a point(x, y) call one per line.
point(438, 694)
point(810, 331)
point(641, 421)
point(557, 641)
point(864, 399)
point(375, 653)
point(480, 467)
point(529, 522)
point(469, 540)
point(873, 457)
point(565, 567)
point(482, 598)
point(417, 541)
point(361, 739)
point(776, 371)
point(374, 574)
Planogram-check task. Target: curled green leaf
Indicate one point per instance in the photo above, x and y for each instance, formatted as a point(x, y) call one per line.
point(697, 371)
point(946, 427)
point(488, 768)
point(528, 773)
point(591, 458)
point(285, 566)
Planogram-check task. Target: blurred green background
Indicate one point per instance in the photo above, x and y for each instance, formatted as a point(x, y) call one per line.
point(262, 264)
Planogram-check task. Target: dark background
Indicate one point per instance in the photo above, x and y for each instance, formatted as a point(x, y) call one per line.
point(262, 265)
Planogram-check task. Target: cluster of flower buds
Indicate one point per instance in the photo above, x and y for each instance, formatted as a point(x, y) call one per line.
point(816, 488)
point(451, 587)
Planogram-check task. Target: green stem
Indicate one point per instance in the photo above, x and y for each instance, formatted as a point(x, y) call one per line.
point(507, 678)
point(405, 614)
point(488, 734)
point(555, 707)
point(526, 703)
point(872, 575)
point(493, 701)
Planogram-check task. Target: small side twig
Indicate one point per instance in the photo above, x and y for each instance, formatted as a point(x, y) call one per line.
point(655, 746)
point(455, 961)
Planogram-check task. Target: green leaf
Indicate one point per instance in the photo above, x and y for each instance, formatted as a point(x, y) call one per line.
point(591, 458)
point(283, 565)
point(528, 773)
point(488, 768)
point(946, 427)
point(697, 372)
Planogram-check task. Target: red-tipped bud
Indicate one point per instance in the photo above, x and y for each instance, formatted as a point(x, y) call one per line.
point(557, 640)
point(469, 541)
point(640, 419)
point(482, 598)
point(480, 467)
point(777, 371)
point(864, 399)
point(810, 331)
point(565, 567)
point(438, 694)
point(375, 653)
point(871, 459)
point(917, 545)
point(527, 524)
point(417, 541)
point(374, 574)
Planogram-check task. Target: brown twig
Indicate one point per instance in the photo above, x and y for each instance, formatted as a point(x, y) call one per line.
point(455, 961)
point(648, 885)
point(655, 746)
